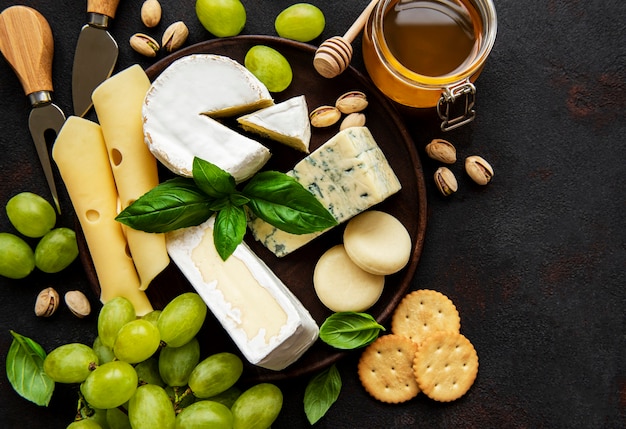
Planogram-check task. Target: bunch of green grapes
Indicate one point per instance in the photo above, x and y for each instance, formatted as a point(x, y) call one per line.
point(147, 372)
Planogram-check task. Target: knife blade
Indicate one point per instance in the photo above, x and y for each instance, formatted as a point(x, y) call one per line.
point(26, 43)
point(96, 54)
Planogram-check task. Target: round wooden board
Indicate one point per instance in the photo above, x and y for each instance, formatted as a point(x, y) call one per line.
point(296, 269)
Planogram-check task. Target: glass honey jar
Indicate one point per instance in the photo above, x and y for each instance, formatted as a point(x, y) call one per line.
point(428, 53)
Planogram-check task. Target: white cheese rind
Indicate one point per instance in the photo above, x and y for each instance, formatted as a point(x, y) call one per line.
point(176, 123)
point(286, 122)
point(348, 174)
point(266, 321)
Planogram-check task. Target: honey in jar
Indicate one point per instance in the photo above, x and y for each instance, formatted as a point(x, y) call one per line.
point(428, 53)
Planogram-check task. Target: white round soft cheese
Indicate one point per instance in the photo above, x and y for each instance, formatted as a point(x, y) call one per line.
point(176, 111)
point(341, 285)
point(377, 242)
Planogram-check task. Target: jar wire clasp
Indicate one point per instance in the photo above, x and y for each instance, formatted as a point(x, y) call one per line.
point(466, 92)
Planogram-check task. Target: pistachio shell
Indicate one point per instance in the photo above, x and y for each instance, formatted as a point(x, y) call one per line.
point(47, 302)
point(144, 44)
point(324, 116)
point(353, 120)
point(351, 102)
point(151, 13)
point(78, 303)
point(478, 169)
point(175, 36)
point(446, 181)
point(441, 150)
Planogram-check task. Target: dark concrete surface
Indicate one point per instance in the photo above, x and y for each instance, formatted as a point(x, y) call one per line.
point(535, 262)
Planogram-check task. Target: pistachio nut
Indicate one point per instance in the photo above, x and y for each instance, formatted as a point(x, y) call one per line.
point(324, 116)
point(144, 44)
point(47, 302)
point(478, 169)
point(175, 36)
point(78, 303)
point(353, 120)
point(441, 150)
point(445, 181)
point(351, 102)
point(151, 13)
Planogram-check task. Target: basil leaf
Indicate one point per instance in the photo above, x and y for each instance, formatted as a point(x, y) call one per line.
point(284, 203)
point(173, 204)
point(213, 181)
point(229, 229)
point(349, 330)
point(321, 392)
point(24, 365)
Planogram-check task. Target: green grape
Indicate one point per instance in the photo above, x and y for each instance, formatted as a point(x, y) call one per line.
point(70, 363)
point(56, 250)
point(117, 419)
point(227, 397)
point(222, 18)
point(215, 374)
point(257, 407)
point(270, 67)
point(301, 21)
point(30, 214)
point(181, 319)
point(136, 341)
point(205, 414)
point(148, 372)
point(84, 424)
point(176, 363)
point(113, 315)
point(17, 259)
point(110, 385)
point(150, 408)
point(152, 317)
point(99, 416)
point(105, 354)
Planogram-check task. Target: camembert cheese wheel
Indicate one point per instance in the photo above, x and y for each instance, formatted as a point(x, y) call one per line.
point(179, 108)
point(80, 153)
point(118, 103)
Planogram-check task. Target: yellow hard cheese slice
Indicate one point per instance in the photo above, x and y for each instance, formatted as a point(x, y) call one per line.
point(287, 122)
point(266, 321)
point(80, 153)
point(348, 174)
point(118, 103)
point(177, 110)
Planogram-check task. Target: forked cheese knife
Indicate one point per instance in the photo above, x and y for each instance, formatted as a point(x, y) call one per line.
point(26, 43)
point(96, 54)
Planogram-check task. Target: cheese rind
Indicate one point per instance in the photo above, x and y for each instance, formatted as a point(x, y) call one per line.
point(80, 153)
point(118, 103)
point(176, 111)
point(348, 174)
point(286, 122)
point(265, 320)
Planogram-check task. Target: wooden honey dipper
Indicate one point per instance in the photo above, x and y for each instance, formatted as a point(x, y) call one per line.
point(334, 55)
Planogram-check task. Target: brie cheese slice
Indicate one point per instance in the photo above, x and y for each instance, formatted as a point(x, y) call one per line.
point(287, 122)
point(179, 110)
point(266, 321)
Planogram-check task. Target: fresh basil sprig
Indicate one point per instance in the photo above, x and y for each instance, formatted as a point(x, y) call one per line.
point(274, 197)
point(321, 393)
point(24, 364)
point(349, 330)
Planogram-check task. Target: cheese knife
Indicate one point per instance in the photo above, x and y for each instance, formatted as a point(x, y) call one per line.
point(96, 53)
point(27, 45)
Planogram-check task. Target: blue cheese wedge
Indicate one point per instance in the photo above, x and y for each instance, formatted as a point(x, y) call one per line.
point(287, 122)
point(348, 174)
point(265, 320)
point(179, 111)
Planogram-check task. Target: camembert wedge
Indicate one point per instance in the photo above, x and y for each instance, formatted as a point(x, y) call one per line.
point(348, 174)
point(265, 320)
point(286, 122)
point(180, 107)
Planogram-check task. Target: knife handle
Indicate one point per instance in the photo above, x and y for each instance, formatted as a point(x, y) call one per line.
point(103, 7)
point(26, 43)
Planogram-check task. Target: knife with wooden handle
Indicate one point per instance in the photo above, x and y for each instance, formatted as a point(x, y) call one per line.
point(26, 43)
point(96, 53)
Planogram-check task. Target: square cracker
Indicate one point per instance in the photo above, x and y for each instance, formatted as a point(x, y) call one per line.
point(386, 369)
